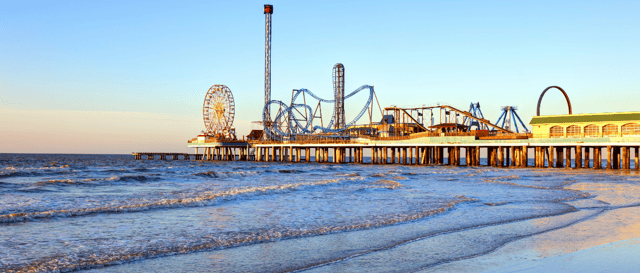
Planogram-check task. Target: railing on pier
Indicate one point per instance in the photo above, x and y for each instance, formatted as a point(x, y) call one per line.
point(332, 140)
point(424, 134)
point(583, 135)
point(163, 156)
point(215, 140)
point(306, 140)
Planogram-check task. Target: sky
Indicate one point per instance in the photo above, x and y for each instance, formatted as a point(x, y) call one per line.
point(130, 76)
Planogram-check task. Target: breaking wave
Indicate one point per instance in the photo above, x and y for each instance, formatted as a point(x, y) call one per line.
point(389, 184)
point(93, 259)
point(196, 201)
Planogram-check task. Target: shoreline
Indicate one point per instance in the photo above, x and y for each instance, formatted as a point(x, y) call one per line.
point(617, 256)
point(607, 242)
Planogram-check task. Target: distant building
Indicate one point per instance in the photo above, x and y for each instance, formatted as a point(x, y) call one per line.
point(587, 125)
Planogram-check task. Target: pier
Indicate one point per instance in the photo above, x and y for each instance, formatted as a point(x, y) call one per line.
point(429, 135)
point(454, 150)
point(163, 156)
point(458, 150)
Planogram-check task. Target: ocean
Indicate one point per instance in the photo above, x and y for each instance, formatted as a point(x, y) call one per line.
point(113, 213)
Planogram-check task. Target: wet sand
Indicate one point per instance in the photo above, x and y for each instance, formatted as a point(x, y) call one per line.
point(608, 242)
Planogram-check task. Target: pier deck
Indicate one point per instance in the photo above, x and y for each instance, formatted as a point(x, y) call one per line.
point(454, 150)
point(163, 156)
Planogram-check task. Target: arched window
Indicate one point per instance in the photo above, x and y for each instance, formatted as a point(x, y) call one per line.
point(591, 130)
point(610, 130)
point(631, 129)
point(556, 131)
point(573, 131)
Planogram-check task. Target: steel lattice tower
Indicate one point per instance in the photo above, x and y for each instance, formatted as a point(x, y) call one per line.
point(338, 90)
point(268, 10)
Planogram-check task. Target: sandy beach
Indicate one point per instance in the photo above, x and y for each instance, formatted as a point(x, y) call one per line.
point(608, 242)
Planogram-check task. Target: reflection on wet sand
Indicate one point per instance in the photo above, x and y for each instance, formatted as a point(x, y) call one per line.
point(619, 195)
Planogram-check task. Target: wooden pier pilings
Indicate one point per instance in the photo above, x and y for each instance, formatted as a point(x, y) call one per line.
point(163, 156)
point(522, 156)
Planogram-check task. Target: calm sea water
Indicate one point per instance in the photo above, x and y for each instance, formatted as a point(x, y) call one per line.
point(112, 213)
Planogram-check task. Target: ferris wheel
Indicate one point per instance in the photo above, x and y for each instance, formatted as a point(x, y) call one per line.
point(218, 111)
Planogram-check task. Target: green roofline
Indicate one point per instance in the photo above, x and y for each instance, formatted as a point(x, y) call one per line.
point(585, 118)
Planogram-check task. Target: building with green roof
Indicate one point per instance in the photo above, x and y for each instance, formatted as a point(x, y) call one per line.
point(586, 125)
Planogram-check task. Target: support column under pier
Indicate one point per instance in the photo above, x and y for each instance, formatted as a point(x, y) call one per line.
point(578, 160)
point(614, 158)
point(540, 157)
point(636, 157)
point(587, 157)
point(325, 157)
point(410, 160)
point(393, 155)
point(550, 156)
point(559, 157)
point(609, 157)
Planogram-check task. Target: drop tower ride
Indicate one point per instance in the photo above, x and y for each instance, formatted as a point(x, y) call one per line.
point(268, 10)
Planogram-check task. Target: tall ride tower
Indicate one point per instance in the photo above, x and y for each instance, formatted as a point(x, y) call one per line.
point(338, 90)
point(268, 10)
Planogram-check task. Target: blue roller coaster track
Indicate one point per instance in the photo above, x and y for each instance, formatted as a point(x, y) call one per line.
point(288, 110)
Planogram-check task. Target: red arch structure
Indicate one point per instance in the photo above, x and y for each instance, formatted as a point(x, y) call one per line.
point(556, 87)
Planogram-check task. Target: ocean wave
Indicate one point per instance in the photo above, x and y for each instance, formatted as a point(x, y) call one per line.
point(92, 181)
point(118, 171)
point(507, 177)
point(389, 184)
point(498, 180)
point(227, 174)
point(196, 201)
point(94, 259)
point(5, 185)
point(39, 171)
point(32, 190)
point(39, 168)
point(113, 178)
point(207, 174)
point(516, 184)
point(138, 178)
point(497, 203)
point(58, 181)
point(19, 174)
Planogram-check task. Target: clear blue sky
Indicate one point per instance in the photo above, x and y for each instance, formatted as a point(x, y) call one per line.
point(132, 75)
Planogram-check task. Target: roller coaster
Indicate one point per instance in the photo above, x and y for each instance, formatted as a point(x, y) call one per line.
point(296, 119)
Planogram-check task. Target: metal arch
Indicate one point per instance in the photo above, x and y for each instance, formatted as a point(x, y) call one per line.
point(556, 87)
